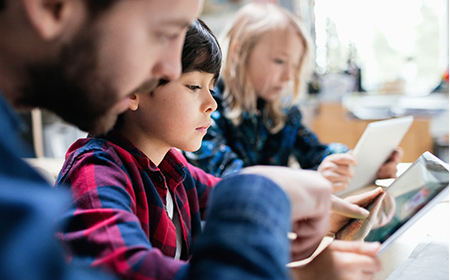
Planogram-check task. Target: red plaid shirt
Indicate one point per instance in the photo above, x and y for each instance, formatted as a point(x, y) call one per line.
point(118, 216)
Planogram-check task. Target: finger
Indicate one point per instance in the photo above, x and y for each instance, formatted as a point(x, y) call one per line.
point(388, 170)
point(343, 159)
point(347, 209)
point(369, 266)
point(358, 265)
point(304, 248)
point(334, 177)
point(340, 170)
point(315, 227)
point(366, 248)
point(364, 198)
point(396, 155)
point(339, 186)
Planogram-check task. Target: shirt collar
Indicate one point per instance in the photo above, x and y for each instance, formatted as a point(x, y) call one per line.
point(171, 164)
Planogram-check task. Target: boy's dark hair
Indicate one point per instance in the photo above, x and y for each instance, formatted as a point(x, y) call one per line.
point(201, 50)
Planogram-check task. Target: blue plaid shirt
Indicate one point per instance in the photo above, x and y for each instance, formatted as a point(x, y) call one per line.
point(227, 148)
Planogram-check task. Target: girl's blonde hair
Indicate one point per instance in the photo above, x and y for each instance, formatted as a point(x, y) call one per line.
point(250, 24)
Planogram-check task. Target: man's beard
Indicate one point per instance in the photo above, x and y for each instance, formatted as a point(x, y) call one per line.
point(72, 88)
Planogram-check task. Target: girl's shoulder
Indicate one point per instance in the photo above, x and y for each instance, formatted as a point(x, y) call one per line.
point(293, 114)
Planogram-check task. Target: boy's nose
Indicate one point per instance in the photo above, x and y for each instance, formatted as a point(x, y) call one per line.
point(210, 104)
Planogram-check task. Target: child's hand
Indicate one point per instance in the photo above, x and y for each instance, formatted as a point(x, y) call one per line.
point(337, 169)
point(389, 168)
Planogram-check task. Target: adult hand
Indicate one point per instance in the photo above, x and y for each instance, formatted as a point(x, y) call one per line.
point(338, 205)
point(337, 169)
point(338, 219)
point(389, 168)
point(359, 229)
point(309, 193)
point(342, 260)
point(347, 208)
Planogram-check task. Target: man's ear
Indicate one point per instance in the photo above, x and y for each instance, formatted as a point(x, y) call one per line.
point(51, 17)
point(134, 102)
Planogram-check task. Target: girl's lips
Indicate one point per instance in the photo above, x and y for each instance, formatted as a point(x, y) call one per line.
point(278, 88)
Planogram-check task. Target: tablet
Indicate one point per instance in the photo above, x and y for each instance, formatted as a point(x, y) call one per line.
point(409, 197)
point(373, 149)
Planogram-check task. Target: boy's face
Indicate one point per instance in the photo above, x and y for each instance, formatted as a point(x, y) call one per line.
point(272, 62)
point(129, 47)
point(178, 113)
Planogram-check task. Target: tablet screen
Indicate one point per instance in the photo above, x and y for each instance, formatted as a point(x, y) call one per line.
point(422, 185)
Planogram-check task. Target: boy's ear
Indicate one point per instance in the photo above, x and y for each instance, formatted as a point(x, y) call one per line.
point(134, 102)
point(51, 17)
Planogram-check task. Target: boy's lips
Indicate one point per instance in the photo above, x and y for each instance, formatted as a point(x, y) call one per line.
point(206, 126)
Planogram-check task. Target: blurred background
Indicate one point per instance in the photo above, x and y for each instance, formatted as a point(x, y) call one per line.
point(374, 59)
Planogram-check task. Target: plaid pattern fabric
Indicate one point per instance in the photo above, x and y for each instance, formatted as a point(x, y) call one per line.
point(118, 216)
point(227, 148)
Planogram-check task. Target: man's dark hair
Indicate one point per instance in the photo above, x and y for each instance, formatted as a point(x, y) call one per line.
point(95, 6)
point(98, 6)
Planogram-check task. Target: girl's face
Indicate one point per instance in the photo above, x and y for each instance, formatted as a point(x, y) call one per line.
point(177, 114)
point(272, 62)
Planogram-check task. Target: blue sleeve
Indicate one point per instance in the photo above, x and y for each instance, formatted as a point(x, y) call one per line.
point(30, 249)
point(245, 236)
point(308, 150)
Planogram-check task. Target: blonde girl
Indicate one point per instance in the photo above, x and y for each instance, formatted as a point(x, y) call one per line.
point(268, 58)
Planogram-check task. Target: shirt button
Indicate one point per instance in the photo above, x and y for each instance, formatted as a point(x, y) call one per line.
point(159, 178)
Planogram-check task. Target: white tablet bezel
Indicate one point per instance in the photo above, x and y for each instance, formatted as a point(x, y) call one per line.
point(435, 200)
point(374, 147)
point(427, 156)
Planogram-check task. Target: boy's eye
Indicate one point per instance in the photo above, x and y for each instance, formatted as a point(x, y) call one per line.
point(193, 88)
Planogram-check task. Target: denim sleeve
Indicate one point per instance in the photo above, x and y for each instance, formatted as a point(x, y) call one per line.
point(29, 248)
point(245, 236)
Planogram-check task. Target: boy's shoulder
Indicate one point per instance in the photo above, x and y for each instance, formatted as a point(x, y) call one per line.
point(85, 150)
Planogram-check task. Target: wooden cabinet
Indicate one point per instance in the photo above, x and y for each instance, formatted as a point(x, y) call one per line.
point(333, 123)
